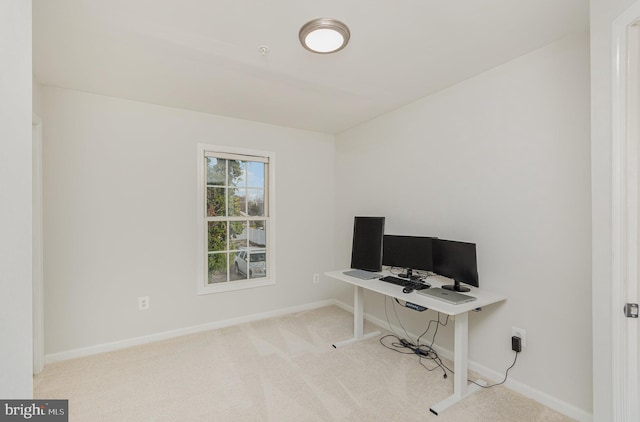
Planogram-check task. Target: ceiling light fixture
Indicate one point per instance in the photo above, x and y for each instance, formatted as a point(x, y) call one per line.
point(324, 35)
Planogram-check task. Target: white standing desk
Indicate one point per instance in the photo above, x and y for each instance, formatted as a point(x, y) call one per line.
point(459, 312)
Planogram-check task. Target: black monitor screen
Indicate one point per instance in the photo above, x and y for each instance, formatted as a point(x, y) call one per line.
point(456, 260)
point(410, 252)
point(366, 250)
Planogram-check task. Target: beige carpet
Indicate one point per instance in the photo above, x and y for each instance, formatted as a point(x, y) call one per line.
point(281, 369)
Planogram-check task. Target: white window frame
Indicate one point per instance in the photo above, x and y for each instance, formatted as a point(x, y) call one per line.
point(202, 226)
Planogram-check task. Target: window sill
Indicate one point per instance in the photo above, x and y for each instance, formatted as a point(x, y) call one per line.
point(230, 286)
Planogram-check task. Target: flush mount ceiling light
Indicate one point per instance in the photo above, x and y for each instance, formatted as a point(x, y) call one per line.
point(324, 35)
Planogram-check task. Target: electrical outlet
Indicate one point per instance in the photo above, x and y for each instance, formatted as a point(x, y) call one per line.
point(143, 303)
point(316, 278)
point(522, 333)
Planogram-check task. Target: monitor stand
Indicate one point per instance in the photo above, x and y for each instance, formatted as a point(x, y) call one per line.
point(409, 275)
point(456, 287)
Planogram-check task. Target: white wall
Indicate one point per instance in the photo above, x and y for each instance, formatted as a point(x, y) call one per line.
point(120, 210)
point(36, 97)
point(501, 160)
point(15, 197)
point(603, 13)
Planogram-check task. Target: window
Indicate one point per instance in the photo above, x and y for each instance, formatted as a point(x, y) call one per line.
point(235, 213)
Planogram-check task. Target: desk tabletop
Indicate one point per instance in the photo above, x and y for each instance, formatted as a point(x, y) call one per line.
point(483, 297)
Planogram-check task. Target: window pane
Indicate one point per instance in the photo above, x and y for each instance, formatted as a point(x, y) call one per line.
point(257, 234)
point(216, 171)
point(217, 268)
point(217, 236)
point(215, 202)
point(256, 202)
point(237, 235)
point(255, 174)
point(237, 202)
point(237, 266)
point(237, 175)
point(236, 195)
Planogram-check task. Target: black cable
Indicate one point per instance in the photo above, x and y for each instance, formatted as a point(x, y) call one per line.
point(433, 339)
point(396, 345)
point(506, 374)
point(397, 271)
point(423, 351)
point(406, 348)
point(429, 353)
point(397, 318)
point(435, 357)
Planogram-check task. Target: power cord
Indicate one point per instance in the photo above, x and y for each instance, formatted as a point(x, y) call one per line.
point(424, 351)
point(506, 374)
point(407, 348)
point(404, 346)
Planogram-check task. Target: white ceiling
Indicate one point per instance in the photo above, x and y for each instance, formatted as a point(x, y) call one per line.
point(203, 54)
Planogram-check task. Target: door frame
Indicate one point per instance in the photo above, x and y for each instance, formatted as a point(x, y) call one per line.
point(37, 249)
point(625, 217)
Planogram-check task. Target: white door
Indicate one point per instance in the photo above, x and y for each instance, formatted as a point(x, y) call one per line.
point(633, 276)
point(626, 214)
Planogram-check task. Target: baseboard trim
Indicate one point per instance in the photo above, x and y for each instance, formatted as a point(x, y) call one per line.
point(527, 391)
point(537, 395)
point(137, 341)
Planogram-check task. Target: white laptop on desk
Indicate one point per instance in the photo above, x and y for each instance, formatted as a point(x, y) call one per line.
point(449, 296)
point(362, 274)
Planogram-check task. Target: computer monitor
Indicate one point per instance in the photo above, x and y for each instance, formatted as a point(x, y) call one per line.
point(366, 250)
point(408, 252)
point(456, 260)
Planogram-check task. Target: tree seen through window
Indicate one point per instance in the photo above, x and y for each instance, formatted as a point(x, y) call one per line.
point(236, 217)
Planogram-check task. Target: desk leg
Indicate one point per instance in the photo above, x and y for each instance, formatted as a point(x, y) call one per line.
point(358, 320)
point(460, 351)
point(460, 366)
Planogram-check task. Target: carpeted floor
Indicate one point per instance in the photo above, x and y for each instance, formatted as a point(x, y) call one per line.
point(281, 369)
